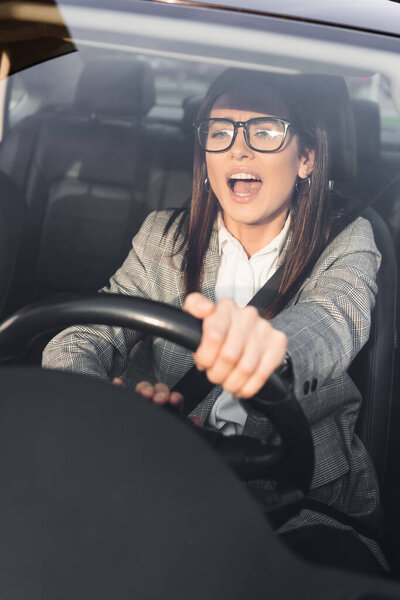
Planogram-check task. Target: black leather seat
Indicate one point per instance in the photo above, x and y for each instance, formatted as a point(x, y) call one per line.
point(82, 178)
point(378, 167)
point(379, 182)
point(374, 367)
point(169, 154)
point(379, 356)
point(373, 370)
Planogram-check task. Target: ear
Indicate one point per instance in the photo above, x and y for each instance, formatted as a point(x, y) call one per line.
point(306, 164)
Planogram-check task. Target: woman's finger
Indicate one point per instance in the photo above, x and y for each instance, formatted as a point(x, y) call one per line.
point(118, 381)
point(161, 393)
point(215, 330)
point(244, 369)
point(175, 398)
point(198, 305)
point(271, 359)
point(144, 388)
point(229, 358)
point(261, 336)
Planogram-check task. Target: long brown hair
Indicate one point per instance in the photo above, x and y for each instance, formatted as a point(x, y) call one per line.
point(310, 211)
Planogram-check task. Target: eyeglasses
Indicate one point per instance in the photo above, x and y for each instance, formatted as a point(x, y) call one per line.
point(262, 134)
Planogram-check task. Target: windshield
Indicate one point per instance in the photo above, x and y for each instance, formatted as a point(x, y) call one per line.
point(131, 128)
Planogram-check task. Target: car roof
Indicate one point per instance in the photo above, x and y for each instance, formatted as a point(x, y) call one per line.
point(382, 16)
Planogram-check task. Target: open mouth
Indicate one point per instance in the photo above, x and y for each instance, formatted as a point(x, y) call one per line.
point(244, 184)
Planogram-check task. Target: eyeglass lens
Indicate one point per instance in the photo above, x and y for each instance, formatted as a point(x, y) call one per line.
point(264, 135)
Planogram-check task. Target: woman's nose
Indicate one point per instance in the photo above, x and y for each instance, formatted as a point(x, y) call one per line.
point(240, 149)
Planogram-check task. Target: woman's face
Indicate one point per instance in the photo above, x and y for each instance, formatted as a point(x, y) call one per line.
point(264, 197)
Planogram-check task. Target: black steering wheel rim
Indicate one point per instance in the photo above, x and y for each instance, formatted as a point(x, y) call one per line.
point(290, 464)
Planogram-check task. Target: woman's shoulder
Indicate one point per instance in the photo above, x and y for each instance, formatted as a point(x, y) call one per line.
point(361, 226)
point(159, 237)
point(155, 220)
point(162, 222)
point(356, 236)
point(354, 246)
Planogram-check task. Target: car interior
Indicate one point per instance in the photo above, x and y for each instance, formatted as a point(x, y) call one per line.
point(96, 139)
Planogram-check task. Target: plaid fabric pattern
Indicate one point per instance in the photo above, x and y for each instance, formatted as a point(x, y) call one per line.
point(327, 323)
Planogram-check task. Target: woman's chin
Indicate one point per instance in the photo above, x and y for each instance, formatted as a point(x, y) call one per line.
point(239, 215)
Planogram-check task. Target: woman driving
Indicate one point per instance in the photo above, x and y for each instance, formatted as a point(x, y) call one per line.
point(260, 204)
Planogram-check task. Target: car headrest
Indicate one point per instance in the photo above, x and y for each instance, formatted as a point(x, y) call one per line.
point(368, 130)
point(191, 107)
point(330, 102)
point(109, 86)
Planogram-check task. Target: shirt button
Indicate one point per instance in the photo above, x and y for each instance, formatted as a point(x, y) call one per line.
point(314, 384)
point(306, 387)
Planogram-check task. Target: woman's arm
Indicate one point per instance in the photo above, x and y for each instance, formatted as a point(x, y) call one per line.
point(331, 321)
point(323, 331)
point(99, 350)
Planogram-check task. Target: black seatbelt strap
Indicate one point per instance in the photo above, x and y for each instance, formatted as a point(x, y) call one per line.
point(194, 385)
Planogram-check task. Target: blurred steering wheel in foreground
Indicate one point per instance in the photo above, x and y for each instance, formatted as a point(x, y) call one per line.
point(103, 494)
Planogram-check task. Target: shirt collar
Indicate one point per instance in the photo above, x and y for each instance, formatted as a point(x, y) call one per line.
point(227, 241)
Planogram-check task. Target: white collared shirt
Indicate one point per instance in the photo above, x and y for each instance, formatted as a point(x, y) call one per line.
point(240, 278)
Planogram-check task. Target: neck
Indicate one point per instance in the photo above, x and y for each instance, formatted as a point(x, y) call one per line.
point(255, 236)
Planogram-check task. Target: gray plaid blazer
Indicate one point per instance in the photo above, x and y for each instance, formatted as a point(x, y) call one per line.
point(326, 323)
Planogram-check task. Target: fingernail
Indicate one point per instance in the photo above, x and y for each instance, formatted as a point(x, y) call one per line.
point(175, 398)
point(160, 397)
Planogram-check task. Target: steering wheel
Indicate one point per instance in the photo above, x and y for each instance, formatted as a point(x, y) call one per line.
point(290, 463)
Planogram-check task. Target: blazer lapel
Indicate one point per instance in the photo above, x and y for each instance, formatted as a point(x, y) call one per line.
point(210, 271)
point(283, 253)
point(207, 288)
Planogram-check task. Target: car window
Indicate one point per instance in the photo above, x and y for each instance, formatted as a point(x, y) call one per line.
point(101, 131)
point(377, 88)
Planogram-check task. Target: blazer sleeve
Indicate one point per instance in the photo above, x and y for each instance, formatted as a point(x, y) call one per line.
point(331, 319)
point(100, 350)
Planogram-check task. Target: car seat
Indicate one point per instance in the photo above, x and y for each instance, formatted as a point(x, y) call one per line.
point(80, 171)
point(169, 154)
point(373, 368)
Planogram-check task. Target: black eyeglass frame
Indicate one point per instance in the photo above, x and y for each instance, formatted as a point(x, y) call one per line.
point(244, 124)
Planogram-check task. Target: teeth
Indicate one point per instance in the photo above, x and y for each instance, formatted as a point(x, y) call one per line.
point(243, 176)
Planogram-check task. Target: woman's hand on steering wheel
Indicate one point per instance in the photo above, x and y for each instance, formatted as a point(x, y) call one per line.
point(159, 392)
point(239, 349)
